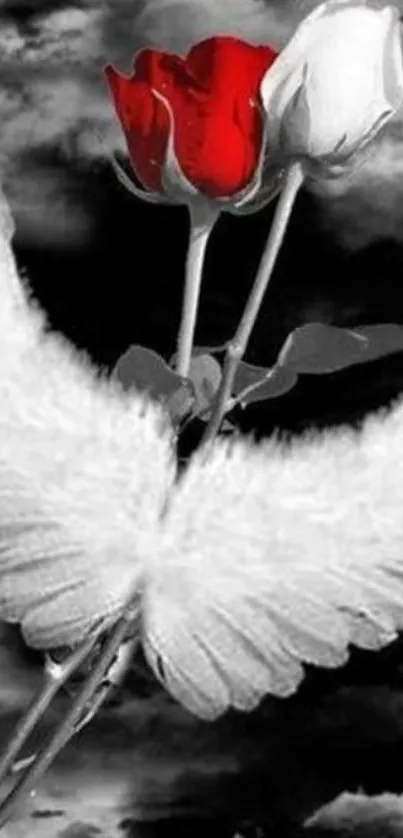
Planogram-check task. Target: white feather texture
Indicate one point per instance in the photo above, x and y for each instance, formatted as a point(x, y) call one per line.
point(84, 473)
point(271, 557)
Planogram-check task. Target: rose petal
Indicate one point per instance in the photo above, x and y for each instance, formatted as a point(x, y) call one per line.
point(337, 82)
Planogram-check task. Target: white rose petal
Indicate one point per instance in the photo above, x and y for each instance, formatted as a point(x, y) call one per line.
point(336, 83)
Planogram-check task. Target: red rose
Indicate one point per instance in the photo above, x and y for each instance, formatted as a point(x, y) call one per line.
point(205, 105)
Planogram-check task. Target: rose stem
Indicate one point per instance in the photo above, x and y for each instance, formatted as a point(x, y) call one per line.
point(67, 727)
point(55, 675)
point(237, 346)
point(202, 221)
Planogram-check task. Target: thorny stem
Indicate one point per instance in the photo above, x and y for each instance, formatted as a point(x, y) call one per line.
point(68, 726)
point(237, 346)
point(202, 220)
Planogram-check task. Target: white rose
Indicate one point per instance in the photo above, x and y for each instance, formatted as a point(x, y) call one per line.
point(338, 81)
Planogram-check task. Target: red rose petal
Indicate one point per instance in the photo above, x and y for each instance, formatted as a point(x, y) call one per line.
point(213, 94)
point(145, 123)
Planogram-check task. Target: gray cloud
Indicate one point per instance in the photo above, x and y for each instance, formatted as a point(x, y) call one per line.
point(368, 204)
point(48, 70)
point(176, 24)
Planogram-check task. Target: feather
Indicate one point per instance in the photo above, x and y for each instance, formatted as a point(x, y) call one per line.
point(271, 557)
point(84, 473)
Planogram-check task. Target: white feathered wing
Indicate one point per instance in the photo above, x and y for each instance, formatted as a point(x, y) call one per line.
point(84, 473)
point(271, 557)
point(268, 557)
